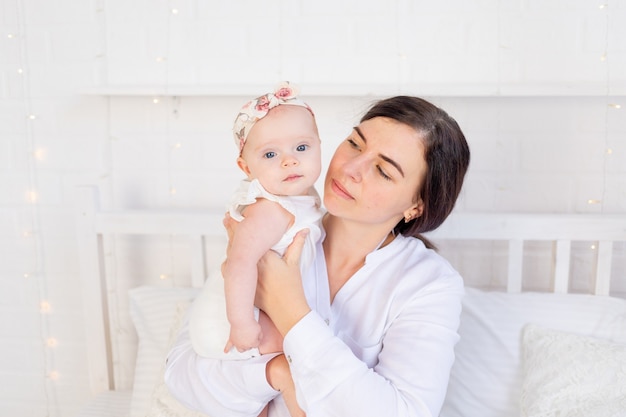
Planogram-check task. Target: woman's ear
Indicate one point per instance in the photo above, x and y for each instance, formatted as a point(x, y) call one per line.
point(243, 165)
point(414, 211)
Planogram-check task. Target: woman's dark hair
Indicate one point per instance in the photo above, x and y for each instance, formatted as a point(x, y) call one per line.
point(446, 153)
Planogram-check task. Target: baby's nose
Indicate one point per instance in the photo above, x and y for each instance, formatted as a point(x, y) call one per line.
point(290, 161)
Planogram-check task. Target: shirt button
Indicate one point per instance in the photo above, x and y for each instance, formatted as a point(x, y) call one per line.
point(289, 358)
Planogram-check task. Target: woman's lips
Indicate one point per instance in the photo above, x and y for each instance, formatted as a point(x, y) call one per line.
point(340, 191)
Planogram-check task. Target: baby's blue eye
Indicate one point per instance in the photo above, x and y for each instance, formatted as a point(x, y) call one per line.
point(269, 155)
point(302, 148)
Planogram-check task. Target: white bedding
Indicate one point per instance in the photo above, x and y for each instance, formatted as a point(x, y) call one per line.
point(109, 404)
point(488, 374)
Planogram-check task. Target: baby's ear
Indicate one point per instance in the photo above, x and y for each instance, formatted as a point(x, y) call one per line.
point(243, 165)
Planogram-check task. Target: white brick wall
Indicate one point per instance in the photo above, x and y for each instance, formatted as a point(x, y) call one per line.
point(526, 81)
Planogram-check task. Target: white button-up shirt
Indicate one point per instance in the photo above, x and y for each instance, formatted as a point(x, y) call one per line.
point(384, 347)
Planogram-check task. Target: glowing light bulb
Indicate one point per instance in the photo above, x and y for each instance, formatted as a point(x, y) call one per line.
point(26, 275)
point(174, 11)
point(591, 201)
point(178, 146)
point(603, 57)
point(172, 190)
point(32, 116)
point(615, 105)
point(39, 154)
point(609, 151)
point(53, 375)
point(20, 71)
point(10, 36)
point(44, 307)
point(163, 276)
point(51, 342)
point(593, 247)
point(160, 59)
point(31, 196)
point(155, 100)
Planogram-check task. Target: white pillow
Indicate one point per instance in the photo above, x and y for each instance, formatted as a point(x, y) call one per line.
point(162, 404)
point(571, 375)
point(486, 378)
point(154, 311)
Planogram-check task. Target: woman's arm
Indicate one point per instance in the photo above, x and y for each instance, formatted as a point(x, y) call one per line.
point(413, 365)
point(410, 378)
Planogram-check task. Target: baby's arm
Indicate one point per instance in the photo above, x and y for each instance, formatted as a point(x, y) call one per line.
point(263, 225)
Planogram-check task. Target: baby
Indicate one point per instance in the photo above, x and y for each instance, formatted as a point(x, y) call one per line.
point(279, 151)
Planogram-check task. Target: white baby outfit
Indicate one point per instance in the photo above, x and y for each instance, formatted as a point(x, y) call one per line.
point(209, 327)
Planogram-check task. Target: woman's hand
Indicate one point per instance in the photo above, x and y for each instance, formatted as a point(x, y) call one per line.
point(279, 377)
point(279, 288)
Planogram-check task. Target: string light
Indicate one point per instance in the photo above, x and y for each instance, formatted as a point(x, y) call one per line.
point(592, 201)
point(174, 11)
point(615, 106)
point(44, 307)
point(163, 277)
point(53, 375)
point(31, 196)
point(51, 342)
point(39, 154)
point(155, 100)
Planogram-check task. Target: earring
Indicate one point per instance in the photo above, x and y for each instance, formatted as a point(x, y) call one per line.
point(408, 218)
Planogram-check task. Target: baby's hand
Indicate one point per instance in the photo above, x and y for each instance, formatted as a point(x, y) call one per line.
point(244, 336)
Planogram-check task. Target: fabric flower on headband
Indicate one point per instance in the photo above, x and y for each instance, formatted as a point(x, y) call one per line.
point(256, 109)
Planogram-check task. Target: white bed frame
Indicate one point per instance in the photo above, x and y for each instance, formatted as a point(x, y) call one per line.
point(96, 226)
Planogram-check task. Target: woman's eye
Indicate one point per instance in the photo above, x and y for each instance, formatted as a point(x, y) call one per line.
point(269, 155)
point(383, 173)
point(352, 143)
point(302, 148)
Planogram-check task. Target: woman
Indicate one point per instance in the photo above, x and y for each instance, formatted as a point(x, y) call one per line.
point(370, 328)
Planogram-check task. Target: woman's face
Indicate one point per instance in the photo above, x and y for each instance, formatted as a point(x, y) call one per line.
point(376, 173)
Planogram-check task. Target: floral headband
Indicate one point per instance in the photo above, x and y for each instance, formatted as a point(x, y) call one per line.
point(256, 109)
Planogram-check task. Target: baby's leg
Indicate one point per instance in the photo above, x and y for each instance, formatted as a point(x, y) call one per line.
point(272, 340)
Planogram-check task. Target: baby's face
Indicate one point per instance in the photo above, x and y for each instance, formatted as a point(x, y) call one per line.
point(283, 152)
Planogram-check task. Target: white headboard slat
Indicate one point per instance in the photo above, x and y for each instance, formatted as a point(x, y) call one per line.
point(94, 291)
point(516, 259)
point(603, 267)
point(561, 266)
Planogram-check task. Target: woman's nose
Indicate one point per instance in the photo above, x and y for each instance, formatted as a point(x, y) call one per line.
point(354, 169)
